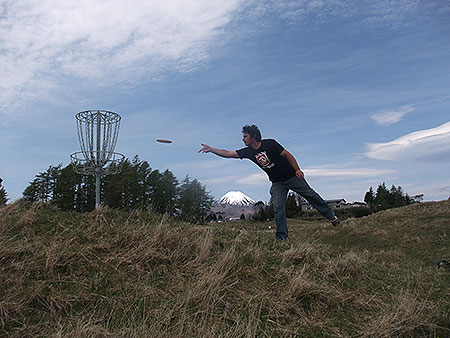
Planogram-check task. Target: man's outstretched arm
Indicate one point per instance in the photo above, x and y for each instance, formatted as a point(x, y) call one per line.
point(219, 152)
point(293, 162)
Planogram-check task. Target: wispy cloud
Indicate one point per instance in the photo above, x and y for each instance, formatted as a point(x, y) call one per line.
point(253, 179)
point(392, 13)
point(106, 42)
point(44, 44)
point(219, 180)
point(432, 191)
point(387, 118)
point(344, 173)
point(261, 178)
point(425, 145)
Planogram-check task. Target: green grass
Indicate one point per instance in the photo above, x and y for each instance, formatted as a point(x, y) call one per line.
point(115, 274)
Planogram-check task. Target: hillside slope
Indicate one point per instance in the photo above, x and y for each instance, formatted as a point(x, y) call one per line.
point(110, 273)
point(418, 233)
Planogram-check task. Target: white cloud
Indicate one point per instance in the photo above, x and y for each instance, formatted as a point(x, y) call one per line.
point(253, 179)
point(343, 173)
point(432, 191)
point(390, 117)
point(106, 42)
point(219, 180)
point(46, 43)
point(431, 145)
point(261, 178)
point(391, 13)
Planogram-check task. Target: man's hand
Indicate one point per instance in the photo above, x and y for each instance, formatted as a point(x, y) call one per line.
point(219, 152)
point(300, 174)
point(206, 149)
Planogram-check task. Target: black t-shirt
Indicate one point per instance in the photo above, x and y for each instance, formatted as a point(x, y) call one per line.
point(268, 158)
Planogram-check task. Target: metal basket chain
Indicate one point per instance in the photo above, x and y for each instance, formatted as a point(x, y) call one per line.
point(98, 132)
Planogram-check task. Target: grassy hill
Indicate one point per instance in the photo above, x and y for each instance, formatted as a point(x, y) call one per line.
point(115, 274)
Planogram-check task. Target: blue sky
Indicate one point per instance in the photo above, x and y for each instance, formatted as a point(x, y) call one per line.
point(358, 91)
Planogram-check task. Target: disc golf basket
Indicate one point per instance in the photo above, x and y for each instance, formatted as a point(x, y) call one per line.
point(97, 133)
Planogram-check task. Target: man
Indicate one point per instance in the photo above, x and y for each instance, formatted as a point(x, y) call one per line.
point(283, 171)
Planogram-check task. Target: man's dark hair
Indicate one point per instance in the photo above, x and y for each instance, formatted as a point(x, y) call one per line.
point(253, 131)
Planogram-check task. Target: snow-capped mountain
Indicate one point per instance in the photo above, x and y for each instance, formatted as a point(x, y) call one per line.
point(236, 198)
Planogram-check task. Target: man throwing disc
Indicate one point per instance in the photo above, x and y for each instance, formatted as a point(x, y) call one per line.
point(283, 171)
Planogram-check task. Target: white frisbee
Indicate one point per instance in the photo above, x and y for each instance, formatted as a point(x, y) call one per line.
point(161, 140)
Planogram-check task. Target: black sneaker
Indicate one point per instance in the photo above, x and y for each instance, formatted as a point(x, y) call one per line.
point(335, 221)
point(281, 238)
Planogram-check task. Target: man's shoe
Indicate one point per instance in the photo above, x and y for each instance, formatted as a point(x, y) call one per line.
point(335, 221)
point(281, 238)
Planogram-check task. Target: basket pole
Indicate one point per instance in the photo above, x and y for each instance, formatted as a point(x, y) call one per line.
point(97, 190)
point(97, 174)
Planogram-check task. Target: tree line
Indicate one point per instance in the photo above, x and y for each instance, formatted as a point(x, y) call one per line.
point(381, 199)
point(137, 186)
point(384, 198)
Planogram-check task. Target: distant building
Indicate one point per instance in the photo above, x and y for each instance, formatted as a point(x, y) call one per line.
point(334, 204)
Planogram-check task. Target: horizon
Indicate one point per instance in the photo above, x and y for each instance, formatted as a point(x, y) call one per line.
point(357, 92)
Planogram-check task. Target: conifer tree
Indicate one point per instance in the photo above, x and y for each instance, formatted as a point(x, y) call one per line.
point(386, 198)
point(42, 188)
point(292, 208)
point(165, 192)
point(194, 201)
point(65, 189)
point(3, 197)
point(137, 186)
point(260, 214)
point(369, 198)
point(383, 199)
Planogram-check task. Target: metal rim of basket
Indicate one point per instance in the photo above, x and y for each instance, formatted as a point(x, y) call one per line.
point(85, 166)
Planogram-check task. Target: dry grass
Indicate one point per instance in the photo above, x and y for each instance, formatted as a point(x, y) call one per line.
point(115, 274)
point(406, 316)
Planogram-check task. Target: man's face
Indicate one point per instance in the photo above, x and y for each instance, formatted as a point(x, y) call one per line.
point(247, 139)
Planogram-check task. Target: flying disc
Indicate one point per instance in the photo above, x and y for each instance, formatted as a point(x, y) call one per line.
point(161, 140)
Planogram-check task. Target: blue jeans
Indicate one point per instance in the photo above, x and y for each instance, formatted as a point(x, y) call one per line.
point(279, 191)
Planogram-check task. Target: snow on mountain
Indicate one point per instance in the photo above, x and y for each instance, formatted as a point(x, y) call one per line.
point(236, 198)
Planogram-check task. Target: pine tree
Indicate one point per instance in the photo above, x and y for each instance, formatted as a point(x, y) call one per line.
point(132, 188)
point(194, 201)
point(3, 197)
point(137, 186)
point(85, 194)
point(369, 198)
point(292, 207)
point(398, 196)
point(65, 189)
point(383, 200)
point(165, 193)
point(42, 188)
point(31, 192)
point(260, 214)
